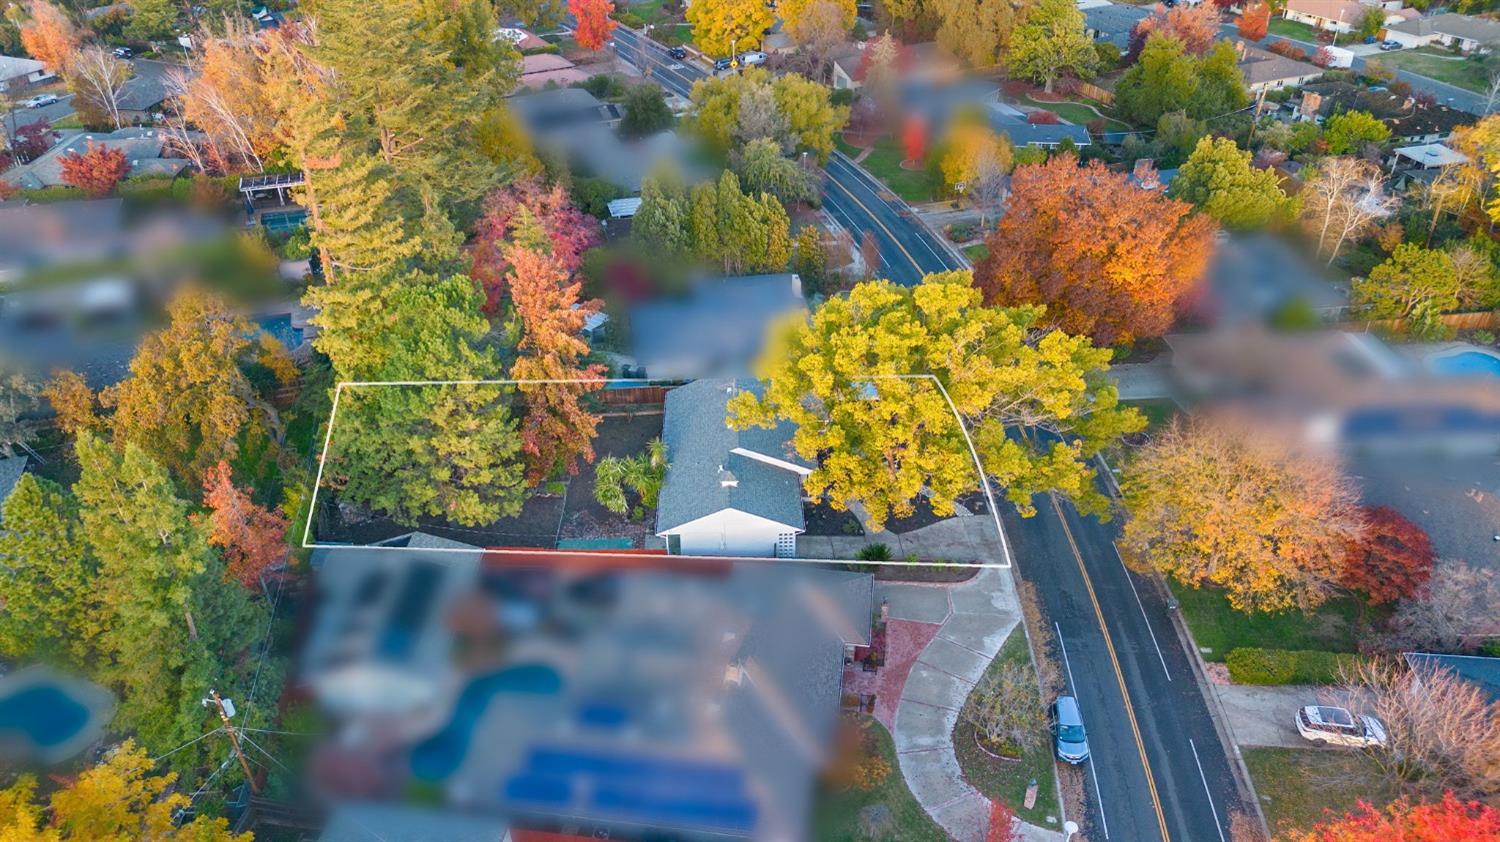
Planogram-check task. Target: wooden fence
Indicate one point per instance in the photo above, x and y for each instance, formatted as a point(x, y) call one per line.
point(1091, 91)
point(1483, 320)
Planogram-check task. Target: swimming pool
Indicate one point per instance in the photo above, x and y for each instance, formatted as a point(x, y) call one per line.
point(441, 754)
point(1465, 364)
point(44, 714)
point(280, 327)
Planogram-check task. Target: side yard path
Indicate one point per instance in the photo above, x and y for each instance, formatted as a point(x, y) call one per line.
point(973, 620)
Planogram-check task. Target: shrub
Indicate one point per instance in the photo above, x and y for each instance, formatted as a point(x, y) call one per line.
point(874, 552)
point(1285, 666)
point(630, 19)
point(1042, 118)
point(842, 96)
point(1484, 337)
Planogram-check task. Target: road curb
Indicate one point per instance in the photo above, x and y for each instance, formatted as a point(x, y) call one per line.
point(1243, 782)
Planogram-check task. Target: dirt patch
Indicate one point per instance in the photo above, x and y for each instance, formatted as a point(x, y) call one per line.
point(823, 519)
point(582, 516)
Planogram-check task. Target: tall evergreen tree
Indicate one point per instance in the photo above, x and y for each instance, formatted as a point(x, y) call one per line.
point(47, 580)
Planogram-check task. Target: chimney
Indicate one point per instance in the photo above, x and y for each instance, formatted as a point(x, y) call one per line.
point(1239, 49)
point(727, 479)
point(1145, 174)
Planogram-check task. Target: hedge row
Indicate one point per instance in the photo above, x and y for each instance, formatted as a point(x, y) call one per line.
point(1285, 666)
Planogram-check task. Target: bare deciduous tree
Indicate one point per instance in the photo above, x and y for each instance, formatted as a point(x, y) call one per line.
point(1442, 732)
point(1454, 611)
point(1343, 199)
point(1006, 709)
point(98, 80)
point(820, 31)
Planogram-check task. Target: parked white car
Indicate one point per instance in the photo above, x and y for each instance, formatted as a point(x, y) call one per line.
point(1327, 725)
point(39, 100)
point(752, 58)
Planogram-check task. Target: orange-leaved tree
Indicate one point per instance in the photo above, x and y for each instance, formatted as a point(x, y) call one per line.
point(252, 537)
point(1255, 21)
point(49, 36)
point(1106, 258)
point(558, 430)
point(594, 23)
point(528, 203)
point(1196, 26)
point(96, 171)
point(1448, 820)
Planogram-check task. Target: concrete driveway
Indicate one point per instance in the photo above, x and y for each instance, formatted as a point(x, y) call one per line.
point(1263, 716)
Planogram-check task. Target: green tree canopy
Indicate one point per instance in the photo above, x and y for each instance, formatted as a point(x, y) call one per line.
point(1349, 131)
point(47, 581)
point(1051, 42)
point(1219, 179)
point(1161, 80)
point(1411, 278)
point(854, 381)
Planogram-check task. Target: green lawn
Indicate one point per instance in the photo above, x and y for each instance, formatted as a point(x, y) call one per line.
point(1006, 779)
point(1440, 65)
point(976, 252)
point(1219, 628)
point(912, 185)
point(1292, 29)
point(1158, 411)
point(1079, 113)
point(836, 815)
point(1296, 785)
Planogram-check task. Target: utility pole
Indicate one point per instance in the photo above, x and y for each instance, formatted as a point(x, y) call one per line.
point(234, 739)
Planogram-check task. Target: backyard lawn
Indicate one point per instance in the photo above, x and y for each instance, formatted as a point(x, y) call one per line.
point(1219, 628)
point(1292, 29)
point(1296, 784)
point(1158, 411)
point(976, 252)
point(1440, 65)
point(1007, 779)
point(837, 815)
point(1079, 113)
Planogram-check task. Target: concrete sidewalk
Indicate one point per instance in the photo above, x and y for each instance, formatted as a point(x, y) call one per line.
point(976, 617)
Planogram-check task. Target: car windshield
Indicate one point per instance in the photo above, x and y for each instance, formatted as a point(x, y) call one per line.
point(1070, 733)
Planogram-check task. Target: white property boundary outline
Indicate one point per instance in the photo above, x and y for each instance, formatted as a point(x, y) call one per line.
point(307, 543)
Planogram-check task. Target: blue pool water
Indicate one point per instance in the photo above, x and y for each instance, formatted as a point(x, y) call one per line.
point(44, 713)
point(1465, 364)
point(438, 756)
point(281, 328)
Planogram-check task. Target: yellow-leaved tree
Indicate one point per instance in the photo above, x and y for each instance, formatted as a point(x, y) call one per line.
point(725, 27)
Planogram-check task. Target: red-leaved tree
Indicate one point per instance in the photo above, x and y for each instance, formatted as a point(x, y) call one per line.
point(914, 139)
point(558, 430)
point(509, 212)
point(1195, 26)
point(1448, 820)
point(252, 537)
point(32, 140)
point(96, 171)
point(594, 22)
point(1391, 559)
point(1254, 23)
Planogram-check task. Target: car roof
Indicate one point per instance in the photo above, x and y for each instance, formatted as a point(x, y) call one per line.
point(1328, 715)
point(1067, 711)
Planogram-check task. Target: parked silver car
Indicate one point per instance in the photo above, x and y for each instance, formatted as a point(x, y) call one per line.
point(1328, 725)
point(1069, 739)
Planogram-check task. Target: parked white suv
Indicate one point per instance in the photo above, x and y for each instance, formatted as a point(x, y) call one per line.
point(1327, 725)
point(752, 58)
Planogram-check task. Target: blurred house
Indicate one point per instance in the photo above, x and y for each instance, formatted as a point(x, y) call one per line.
point(727, 492)
point(375, 822)
point(1342, 16)
point(36, 236)
point(717, 329)
point(926, 62)
point(539, 70)
point(1410, 121)
point(1014, 123)
point(1466, 32)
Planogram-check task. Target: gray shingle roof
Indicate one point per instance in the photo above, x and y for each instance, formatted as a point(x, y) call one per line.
point(1483, 672)
point(1114, 22)
point(1453, 25)
point(715, 331)
point(698, 447)
point(11, 469)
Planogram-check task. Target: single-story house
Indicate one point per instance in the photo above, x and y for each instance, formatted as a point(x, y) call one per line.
point(18, 74)
point(36, 236)
point(1267, 71)
point(1426, 156)
point(1013, 123)
point(1481, 671)
point(926, 62)
point(520, 38)
point(1113, 22)
point(538, 69)
point(727, 492)
point(716, 330)
point(142, 95)
point(1341, 16)
point(11, 469)
point(546, 112)
point(146, 150)
point(1468, 33)
point(1410, 121)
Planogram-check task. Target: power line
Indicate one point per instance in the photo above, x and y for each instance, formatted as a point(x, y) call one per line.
point(158, 759)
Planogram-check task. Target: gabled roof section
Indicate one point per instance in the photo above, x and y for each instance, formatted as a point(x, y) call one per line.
point(706, 475)
point(1478, 670)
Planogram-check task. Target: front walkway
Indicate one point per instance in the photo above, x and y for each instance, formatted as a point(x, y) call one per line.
point(973, 619)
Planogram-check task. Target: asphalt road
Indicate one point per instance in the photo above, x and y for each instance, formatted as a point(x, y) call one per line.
point(1158, 769)
point(25, 116)
point(853, 198)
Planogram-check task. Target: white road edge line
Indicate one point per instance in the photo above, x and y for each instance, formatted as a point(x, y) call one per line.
point(1206, 791)
point(863, 177)
point(1093, 772)
point(1146, 619)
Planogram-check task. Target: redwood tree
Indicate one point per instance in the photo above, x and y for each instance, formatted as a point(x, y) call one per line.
point(594, 22)
point(558, 430)
point(96, 171)
point(1391, 558)
point(529, 202)
point(1443, 821)
point(1105, 257)
point(252, 537)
